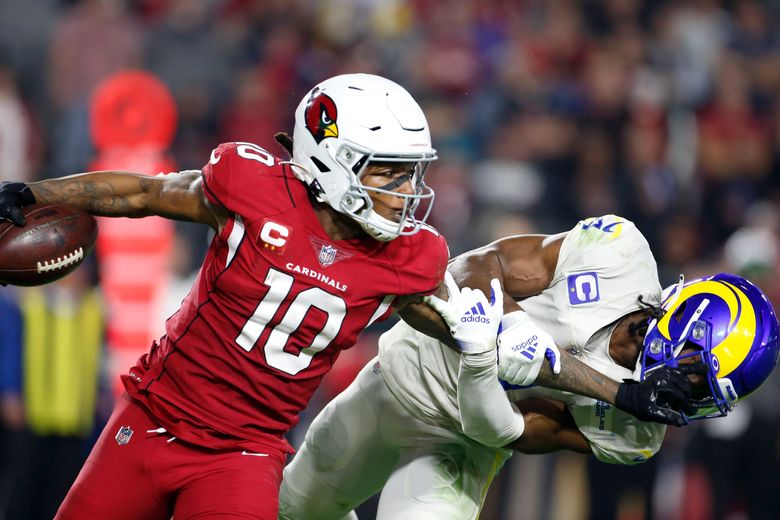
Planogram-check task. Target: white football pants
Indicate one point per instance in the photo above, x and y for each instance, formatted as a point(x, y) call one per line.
point(364, 441)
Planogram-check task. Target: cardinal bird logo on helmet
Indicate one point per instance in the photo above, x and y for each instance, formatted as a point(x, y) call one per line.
point(321, 116)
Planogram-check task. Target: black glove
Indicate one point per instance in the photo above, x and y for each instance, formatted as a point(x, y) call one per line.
point(662, 396)
point(13, 197)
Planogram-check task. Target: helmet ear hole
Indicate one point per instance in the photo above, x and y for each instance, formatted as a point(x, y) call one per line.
point(680, 312)
point(357, 169)
point(321, 166)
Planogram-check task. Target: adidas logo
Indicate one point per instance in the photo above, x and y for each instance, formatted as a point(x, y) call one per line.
point(528, 347)
point(475, 315)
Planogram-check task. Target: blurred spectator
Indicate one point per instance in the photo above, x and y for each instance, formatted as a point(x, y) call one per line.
point(451, 213)
point(731, 467)
point(25, 29)
point(254, 115)
point(181, 51)
point(754, 36)
point(20, 146)
point(692, 33)
point(11, 408)
point(447, 64)
point(183, 272)
point(92, 40)
point(50, 382)
point(596, 185)
point(680, 246)
point(645, 139)
point(734, 148)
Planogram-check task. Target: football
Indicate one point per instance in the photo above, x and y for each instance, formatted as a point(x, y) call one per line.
point(54, 241)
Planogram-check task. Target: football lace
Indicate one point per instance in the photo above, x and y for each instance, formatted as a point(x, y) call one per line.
point(61, 261)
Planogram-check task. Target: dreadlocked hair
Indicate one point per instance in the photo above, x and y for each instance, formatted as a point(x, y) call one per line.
point(284, 139)
point(653, 311)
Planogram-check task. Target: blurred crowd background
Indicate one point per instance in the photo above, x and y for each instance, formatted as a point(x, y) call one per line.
point(544, 112)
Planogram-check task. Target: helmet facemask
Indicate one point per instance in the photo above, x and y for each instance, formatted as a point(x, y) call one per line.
point(410, 220)
point(695, 346)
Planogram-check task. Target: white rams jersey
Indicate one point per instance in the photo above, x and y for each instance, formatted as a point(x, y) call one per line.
point(604, 265)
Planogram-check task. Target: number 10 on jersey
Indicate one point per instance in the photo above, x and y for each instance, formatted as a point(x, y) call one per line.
point(279, 286)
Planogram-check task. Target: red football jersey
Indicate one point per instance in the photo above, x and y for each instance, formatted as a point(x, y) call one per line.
point(275, 302)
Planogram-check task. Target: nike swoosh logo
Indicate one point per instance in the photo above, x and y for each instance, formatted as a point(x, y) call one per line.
point(254, 454)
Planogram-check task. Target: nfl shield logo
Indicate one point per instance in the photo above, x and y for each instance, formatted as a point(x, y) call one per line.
point(123, 435)
point(327, 255)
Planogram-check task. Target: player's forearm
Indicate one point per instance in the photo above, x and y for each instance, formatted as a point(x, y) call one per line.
point(577, 377)
point(108, 193)
point(548, 427)
point(423, 317)
point(176, 196)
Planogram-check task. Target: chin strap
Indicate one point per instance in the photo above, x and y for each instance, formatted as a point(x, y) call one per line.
point(303, 175)
point(370, 227)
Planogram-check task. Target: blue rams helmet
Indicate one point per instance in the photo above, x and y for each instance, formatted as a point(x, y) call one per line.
point(724, 321)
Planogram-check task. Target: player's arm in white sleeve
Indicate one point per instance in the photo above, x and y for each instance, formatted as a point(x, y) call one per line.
point(532, 425)
point(486, 415)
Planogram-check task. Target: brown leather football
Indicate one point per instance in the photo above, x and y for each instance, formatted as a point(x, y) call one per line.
point(54, 241)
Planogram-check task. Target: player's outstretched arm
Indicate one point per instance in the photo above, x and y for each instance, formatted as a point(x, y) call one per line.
point(176, 196)
point(659, 398)
point(575, 376)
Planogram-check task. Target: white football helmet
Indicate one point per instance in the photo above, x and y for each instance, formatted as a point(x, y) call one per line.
point(347, 122)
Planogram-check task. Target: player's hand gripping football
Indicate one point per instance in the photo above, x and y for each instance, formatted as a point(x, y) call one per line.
point(473, 322)
point(13, 197)
point(522, 349)
point(663, 396)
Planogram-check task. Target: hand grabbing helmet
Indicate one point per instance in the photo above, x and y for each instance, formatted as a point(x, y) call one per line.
point(343, 125)
point(724, 321)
